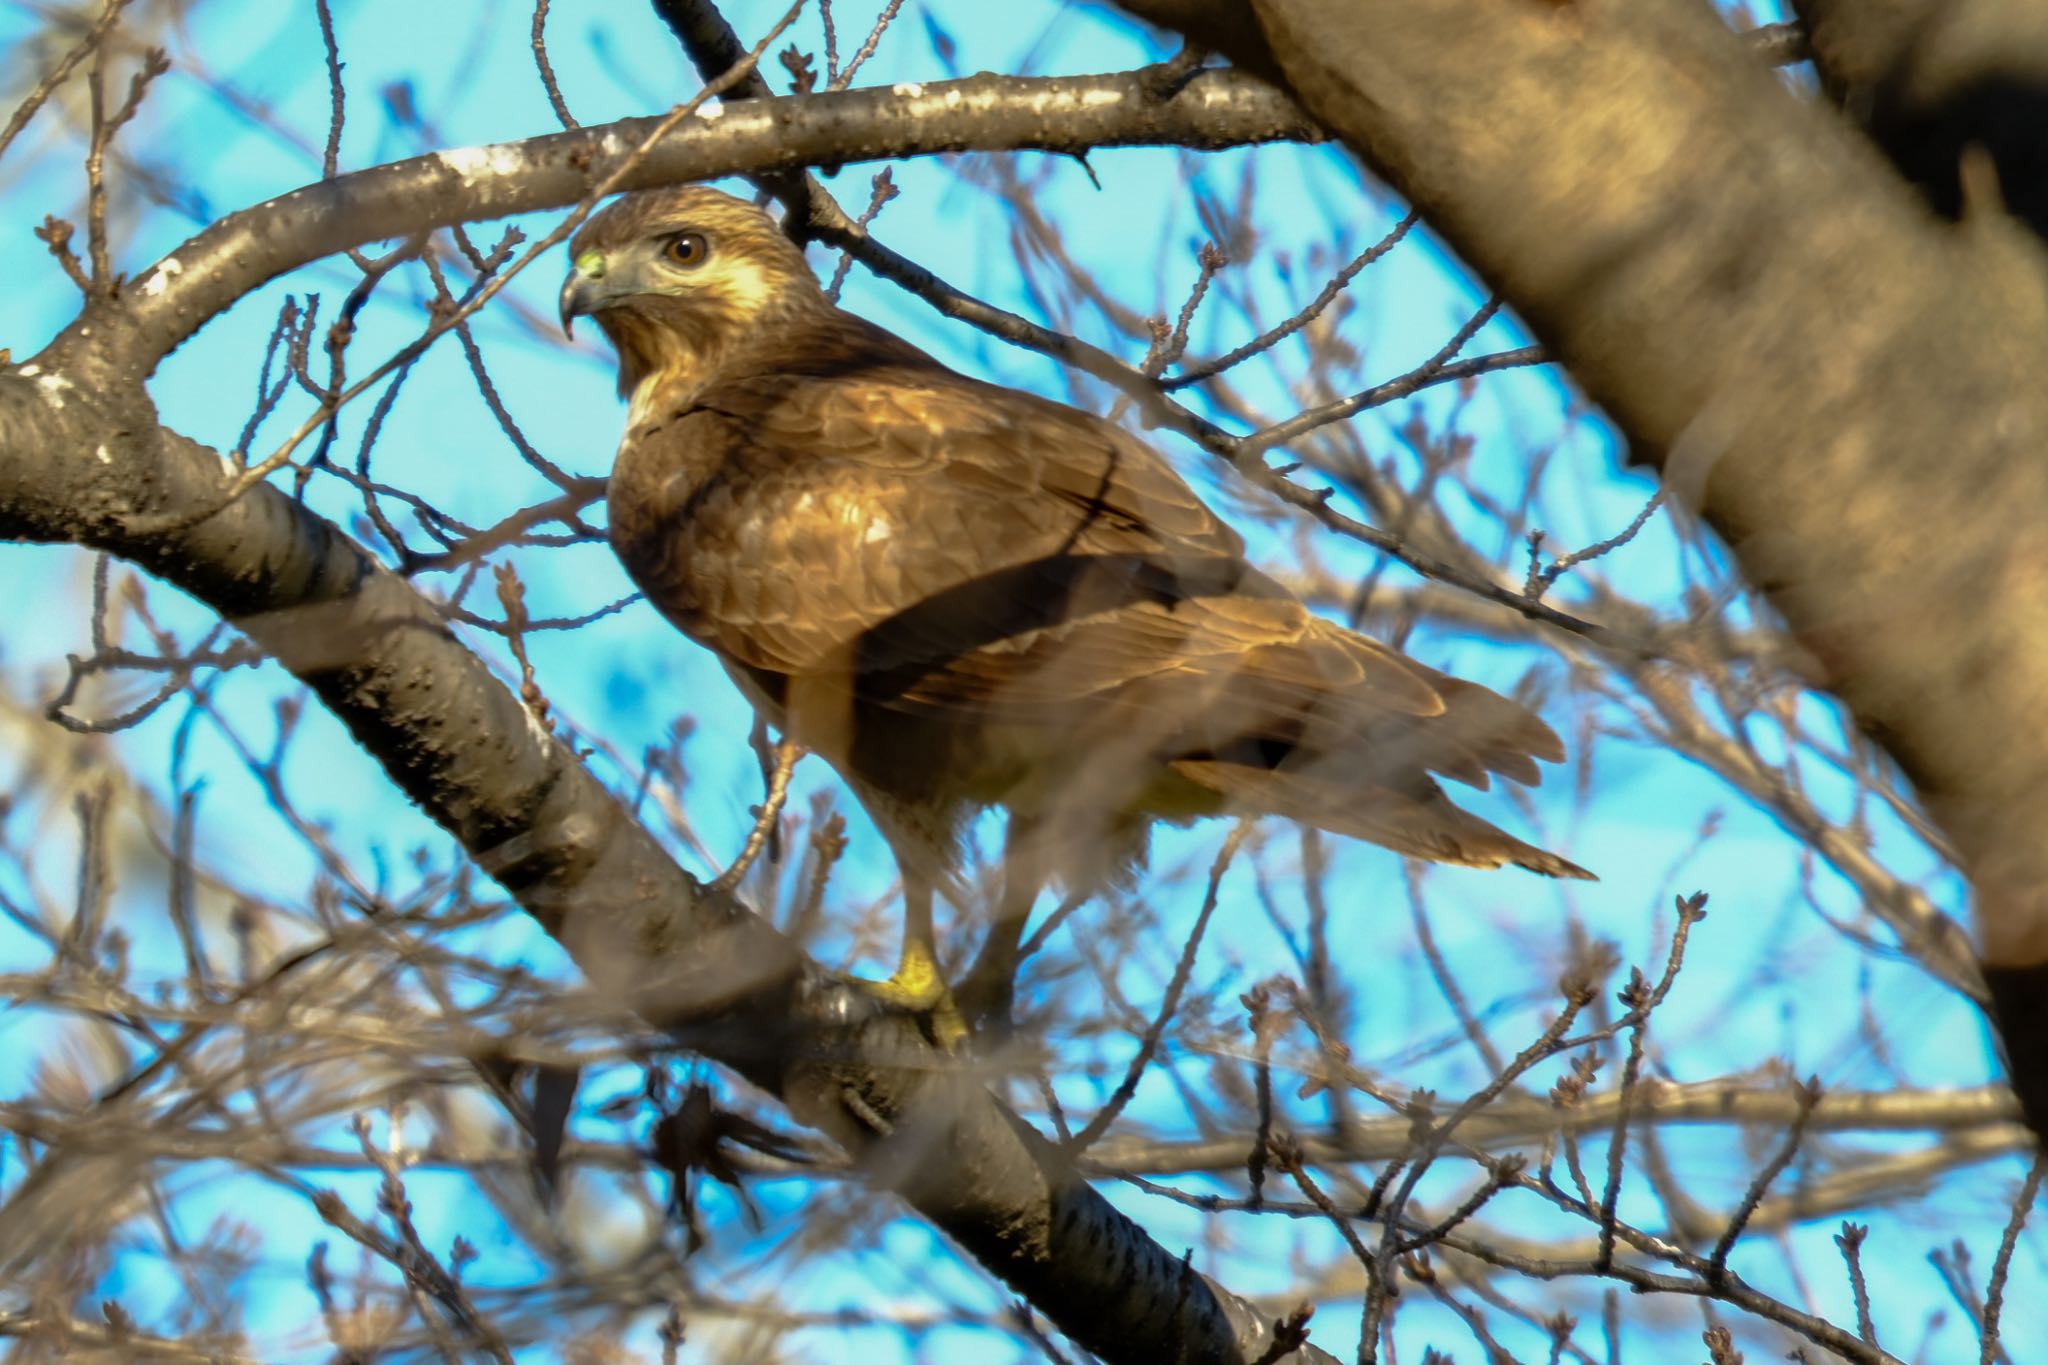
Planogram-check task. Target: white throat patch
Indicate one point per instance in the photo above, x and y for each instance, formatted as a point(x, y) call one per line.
point(641, 408)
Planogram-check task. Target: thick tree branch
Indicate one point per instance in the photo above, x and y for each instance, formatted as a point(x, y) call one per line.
point(204, 276)
point(1778, 323)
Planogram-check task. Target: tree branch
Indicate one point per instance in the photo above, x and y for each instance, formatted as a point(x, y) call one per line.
point(1987, 1110)
point(206, 274)
point(1776, 322)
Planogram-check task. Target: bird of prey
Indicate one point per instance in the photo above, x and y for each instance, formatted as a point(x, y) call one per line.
point(966, 596)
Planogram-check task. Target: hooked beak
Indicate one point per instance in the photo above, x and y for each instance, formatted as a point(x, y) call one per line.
point(586, 291)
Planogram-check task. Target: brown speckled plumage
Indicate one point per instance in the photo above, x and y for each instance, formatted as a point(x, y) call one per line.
point(964, 595)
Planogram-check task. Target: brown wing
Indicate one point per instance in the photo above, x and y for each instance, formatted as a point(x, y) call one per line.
point(947, 548)
point(876, 525)
point(948, 541)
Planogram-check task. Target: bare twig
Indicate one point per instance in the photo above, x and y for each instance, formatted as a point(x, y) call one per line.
point(546, 68)
point(1542, 577)
point(337, 93)
point(512, 530)
point(1809, 1096)
point(86, 46)
point(104, 128)
point(1263, 1025)
point(1149, 1045)
point(1168, 346)
point(55, 234)
point(787, 752)
point(2001, 1266)
point(881, 190)
point(1635, 995)
point(512, 597)
point(1438, 369)
point(867, 49)
point(1850, 1241)
point(1266, 340)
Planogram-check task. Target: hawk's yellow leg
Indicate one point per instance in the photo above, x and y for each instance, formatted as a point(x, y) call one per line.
point(917, 987)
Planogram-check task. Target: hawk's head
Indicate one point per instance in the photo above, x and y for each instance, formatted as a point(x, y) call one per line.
point(675, 277)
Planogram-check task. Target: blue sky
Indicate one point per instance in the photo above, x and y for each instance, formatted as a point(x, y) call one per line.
point(1768, 981)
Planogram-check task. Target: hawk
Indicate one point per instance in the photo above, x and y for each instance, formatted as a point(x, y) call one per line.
point(966, 596)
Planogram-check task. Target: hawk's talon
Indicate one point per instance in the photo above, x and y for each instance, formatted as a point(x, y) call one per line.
point(917, 988)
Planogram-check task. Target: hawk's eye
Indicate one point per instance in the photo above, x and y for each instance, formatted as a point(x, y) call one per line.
point(686, 249)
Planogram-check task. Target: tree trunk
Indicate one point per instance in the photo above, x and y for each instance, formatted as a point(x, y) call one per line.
point(1842, 382)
